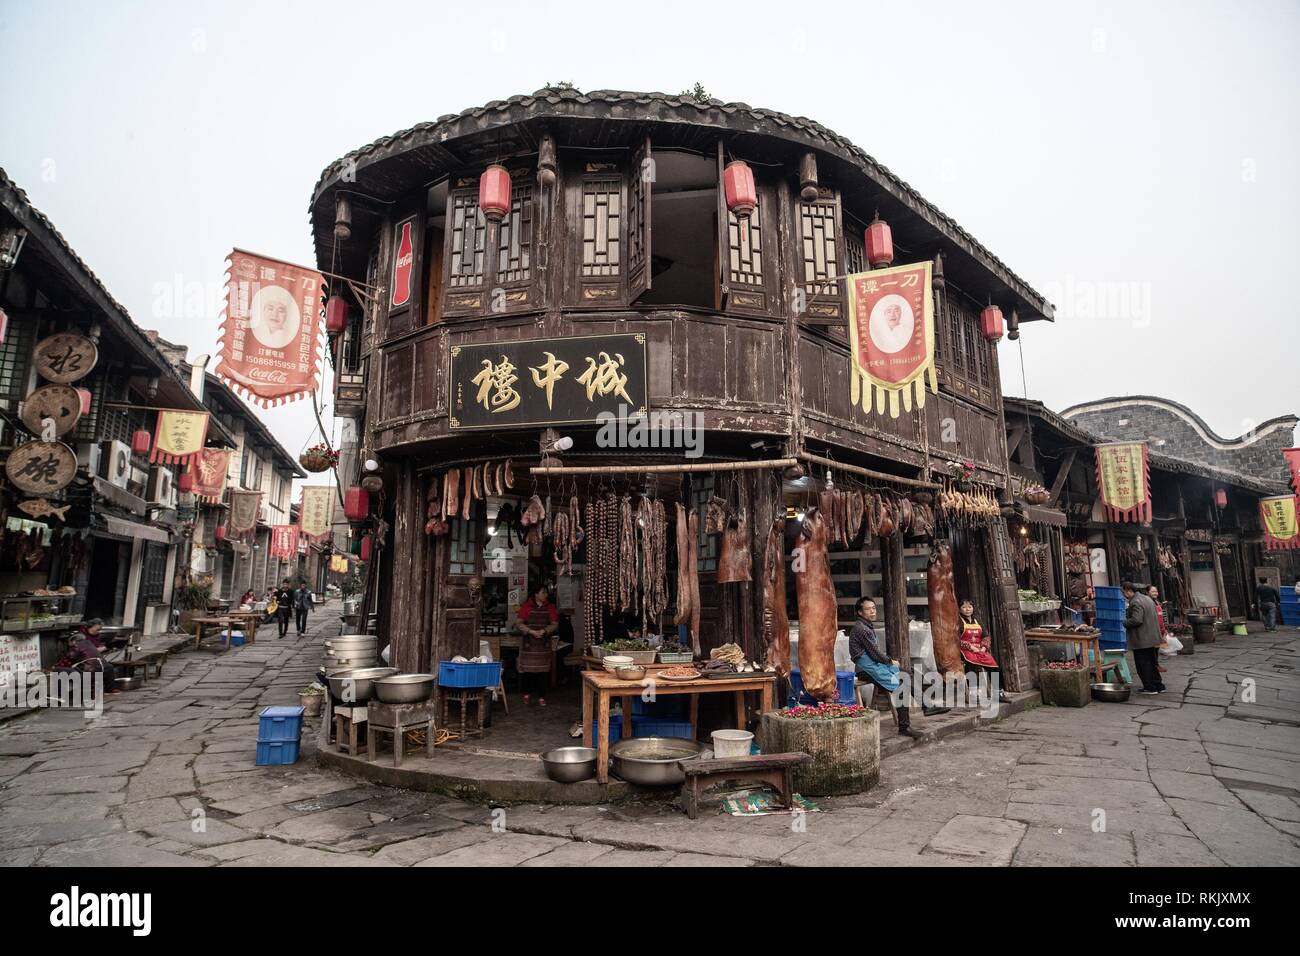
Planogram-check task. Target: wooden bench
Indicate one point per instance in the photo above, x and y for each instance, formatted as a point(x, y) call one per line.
point(776, 770)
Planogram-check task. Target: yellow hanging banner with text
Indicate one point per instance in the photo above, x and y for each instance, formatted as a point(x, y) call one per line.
point(1281, 528)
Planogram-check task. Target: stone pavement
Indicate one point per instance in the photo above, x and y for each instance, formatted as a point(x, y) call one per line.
point(1206, 775)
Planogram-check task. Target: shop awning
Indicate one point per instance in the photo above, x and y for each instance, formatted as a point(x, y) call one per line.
point(1039, 515)
point(134, 529)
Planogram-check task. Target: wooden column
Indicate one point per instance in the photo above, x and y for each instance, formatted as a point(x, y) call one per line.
point(765, 505)
point(893, 579)
point(1224, 611)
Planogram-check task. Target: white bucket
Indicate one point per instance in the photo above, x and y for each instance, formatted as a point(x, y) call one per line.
point(732, 743)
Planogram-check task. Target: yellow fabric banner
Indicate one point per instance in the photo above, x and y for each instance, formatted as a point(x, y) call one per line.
point(1124, 480)
point(891, 337)
point(1278, 515)
point(179, 436)
point(317, 508)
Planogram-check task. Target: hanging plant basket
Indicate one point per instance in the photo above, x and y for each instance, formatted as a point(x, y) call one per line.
point(318, 458)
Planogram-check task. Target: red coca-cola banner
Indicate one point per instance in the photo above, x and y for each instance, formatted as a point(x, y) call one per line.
point(403, 265)
point(284, 541)
point(270, 331)
point(1292, 456)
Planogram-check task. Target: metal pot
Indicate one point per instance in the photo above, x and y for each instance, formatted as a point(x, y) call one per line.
point(630, 672)
point(653, 761)
point(1111, 693)
point(570, 764)
point(128, 683)
point(405, 688)
point(362, 682)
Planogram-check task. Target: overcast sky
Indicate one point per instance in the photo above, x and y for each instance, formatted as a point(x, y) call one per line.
point(1135, 162)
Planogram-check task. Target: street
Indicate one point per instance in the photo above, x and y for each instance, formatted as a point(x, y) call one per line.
point(1206, 775)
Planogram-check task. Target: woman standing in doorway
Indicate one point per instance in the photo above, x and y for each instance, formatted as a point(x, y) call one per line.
point(537, 621)
point(975, 648)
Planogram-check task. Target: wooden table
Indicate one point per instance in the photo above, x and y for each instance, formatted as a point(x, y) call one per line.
point(598, 686)
point(201, 624)
point(250, 620)
point(1083, 642)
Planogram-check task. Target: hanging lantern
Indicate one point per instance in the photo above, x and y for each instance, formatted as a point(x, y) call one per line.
point(356, 504)
point(336, 314)
point(738, 185)
point(991, 323)
point(342, 218)
point(86, 398)
point(365, 548)
point(494, 192)
point(1221, 497)
point(140, 442)
point(220, 532)
point(879, 240)
point(185, 482)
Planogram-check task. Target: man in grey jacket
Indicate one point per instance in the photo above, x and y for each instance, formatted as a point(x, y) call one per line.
point(1143, 638)
point(302, 605)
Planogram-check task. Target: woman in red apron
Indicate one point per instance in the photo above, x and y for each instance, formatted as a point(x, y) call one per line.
point(976, 650)
point(538, 620)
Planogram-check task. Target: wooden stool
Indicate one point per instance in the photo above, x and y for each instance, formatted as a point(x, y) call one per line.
point(465, 696)
point(774, 769)
point(347, 722)
point(867, 698)
point(397, 719)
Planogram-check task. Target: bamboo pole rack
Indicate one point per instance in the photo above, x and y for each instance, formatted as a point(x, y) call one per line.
point(865, 472)
point(664, 469)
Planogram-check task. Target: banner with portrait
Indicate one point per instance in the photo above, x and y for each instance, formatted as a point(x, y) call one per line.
point(179, 437)
point(271, 329)
point(1278, 516)
point(209, 469)
point(1292, 456)
point(316, 511)
point(244, 506)
point(284, 542)
point(891, 338)
point(1124, 477)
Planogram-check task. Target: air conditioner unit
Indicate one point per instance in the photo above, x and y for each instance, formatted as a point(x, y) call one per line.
point(115, 463)
point(162, 490)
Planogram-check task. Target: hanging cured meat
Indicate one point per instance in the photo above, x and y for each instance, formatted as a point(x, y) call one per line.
point(683, 615)
point(733, 558)
point(855, 506)
point(467, 488)
point(626, 555)
point(451, 499)
point(945, 626)
point(693, 535)
point(817, 610)
point(886, 527)
point(776, 620)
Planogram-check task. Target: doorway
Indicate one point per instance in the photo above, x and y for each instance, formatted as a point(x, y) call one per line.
point(110, 562)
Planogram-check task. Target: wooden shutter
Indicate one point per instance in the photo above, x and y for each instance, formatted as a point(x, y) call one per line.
point(514, 287)
point(640, 183)
point(464, 288)
point(599, 256)
point(819, 257)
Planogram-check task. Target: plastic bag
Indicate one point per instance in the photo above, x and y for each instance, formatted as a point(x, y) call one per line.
point(1171, 646)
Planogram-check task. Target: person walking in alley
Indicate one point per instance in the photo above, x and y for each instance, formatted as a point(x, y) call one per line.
point(283, 606)
point(1143, 638)
point(303, 603)
point(1268, 599)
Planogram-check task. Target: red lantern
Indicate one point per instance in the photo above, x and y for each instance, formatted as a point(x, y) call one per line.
point(336, 315)
point(86, 398)
point(1221, 497)
point(879, 240)
point(356, 504)
point(991, 323)
point(738, 184)
point(140, 442)
point(221, 532)
point(185, 482)
point(365, 548)
point(494, 192)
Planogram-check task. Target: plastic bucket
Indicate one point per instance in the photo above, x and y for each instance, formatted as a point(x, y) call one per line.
point(732, 743)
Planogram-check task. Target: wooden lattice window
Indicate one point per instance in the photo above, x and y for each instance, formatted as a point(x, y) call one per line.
point(953, 319)
point(636, 216)
point(982, 356)
point(745, 247)
point(468, 241)
point(514, 248)
point(817, 247)
point(15, 359)
point(464, 541)
point(855, 254)
point(707, 544)
point(153, 575)
point(601, 221)
point(968, 343)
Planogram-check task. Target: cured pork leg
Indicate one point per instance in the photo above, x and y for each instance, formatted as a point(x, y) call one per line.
point(683, 615)
point(776, 620)
point(945, 625)
point(817, 610)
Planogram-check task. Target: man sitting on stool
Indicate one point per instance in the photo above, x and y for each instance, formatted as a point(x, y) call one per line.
point(870, 663)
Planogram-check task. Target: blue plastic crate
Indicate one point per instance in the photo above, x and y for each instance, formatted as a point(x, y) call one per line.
point(1106, 591)
point(661, 727)
point(1106, 614)
point(675, 706)
point(236, 640)
point(1111, 604)
point(1112, 638)
point(844, 681)
point(272, 753)
point(279, 723)
point(467, 674)
point(1291, 618)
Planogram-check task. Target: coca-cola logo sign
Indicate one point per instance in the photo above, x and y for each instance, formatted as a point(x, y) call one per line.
point(403, 264)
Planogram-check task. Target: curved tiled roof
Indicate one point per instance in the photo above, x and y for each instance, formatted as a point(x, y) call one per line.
point(1196, 421)
point(560, 102)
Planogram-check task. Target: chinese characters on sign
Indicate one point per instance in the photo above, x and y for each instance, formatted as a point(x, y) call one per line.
point(270, 336)
point(1278, 516)
point(314, 515)
point(179, 436)
point(41, 467)
point(59, 404)
point(65, 357)
point(1123, 475)
point(210, 473)
point(284, 542)
point(548, 381)
point(891, 338)
point(339, 564)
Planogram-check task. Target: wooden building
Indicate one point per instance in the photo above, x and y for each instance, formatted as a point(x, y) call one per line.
point(618, 226)
point(1202, 549)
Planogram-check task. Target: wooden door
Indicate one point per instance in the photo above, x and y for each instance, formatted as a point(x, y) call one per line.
point(1009, 627)
point(459, 597)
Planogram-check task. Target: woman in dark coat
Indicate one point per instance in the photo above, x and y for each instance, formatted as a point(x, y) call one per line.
point(283, 606)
